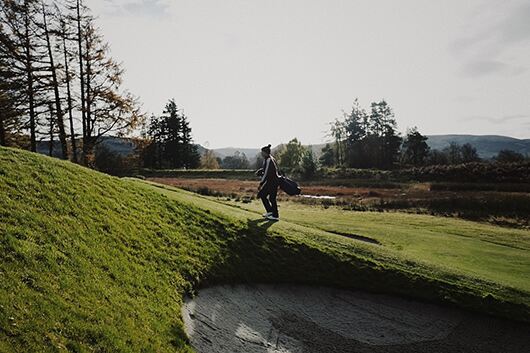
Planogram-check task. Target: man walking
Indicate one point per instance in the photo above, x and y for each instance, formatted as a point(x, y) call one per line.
point(268, 186)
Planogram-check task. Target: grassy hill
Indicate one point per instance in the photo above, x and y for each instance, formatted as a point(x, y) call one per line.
point(89, 262)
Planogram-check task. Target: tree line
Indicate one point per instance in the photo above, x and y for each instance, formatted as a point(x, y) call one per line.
point(370, 139)
point(58, 81)
point(238, 160)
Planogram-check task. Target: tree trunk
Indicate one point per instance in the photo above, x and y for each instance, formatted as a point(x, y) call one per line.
point(87, 82)
point(50, 145)
point(2, 132)
point(82, 79)
point(89, 142)
point(58, 108)
point(69, 94)
point(29, 75)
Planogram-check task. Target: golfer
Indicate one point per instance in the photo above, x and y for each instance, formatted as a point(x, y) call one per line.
point(268, 186)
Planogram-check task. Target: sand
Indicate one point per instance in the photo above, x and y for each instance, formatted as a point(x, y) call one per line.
point(286, 318)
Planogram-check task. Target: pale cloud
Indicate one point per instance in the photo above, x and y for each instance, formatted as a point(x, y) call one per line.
point(489, 41)
point(141, 8)
point(523, 119)
point(485, 67)
point(515, 28)
point(153, 8)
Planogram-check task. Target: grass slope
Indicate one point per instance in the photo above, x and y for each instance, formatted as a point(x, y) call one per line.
point(91, 263)
point(476, 249)
point(459, 257)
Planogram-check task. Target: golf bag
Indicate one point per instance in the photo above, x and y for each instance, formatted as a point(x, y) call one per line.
point(289, 186)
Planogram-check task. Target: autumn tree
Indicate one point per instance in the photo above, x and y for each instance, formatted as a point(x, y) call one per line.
point(209, 160)
point(54, 84)
point(38, 42)
point(108, 109)
point(66, 36)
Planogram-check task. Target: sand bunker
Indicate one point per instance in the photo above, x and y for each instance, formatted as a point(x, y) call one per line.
point(282, 318)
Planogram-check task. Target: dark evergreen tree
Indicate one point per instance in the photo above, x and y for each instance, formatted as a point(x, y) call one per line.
point(415, 149)
point(339, 134)
point(308, 164)
point(354, 129)
point(23, 53)
point(383, 125)
point(10, 116)
point(171, 144)
point(327, 158)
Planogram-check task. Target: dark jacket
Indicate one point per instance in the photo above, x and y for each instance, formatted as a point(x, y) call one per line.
point(270, 175)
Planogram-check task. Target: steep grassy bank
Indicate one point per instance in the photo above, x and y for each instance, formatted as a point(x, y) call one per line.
point(91, 263)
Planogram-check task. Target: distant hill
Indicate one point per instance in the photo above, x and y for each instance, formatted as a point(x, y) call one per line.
point(487, 145)
point(230, 151)
point(123, 146)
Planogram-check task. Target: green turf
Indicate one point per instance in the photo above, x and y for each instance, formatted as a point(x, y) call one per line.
point(92, 263)
point(489, 258)
point(494, 253)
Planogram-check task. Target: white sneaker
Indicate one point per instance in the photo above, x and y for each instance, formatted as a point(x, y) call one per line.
point(271, 218)
point(267, 215)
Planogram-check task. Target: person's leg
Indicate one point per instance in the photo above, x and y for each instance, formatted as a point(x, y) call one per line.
point(274, 206)
point(263, 196)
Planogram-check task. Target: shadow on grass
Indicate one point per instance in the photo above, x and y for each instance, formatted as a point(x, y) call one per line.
point(260, 224)
point(259, 254)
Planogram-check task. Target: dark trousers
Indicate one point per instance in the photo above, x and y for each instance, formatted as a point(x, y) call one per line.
point(268, 197)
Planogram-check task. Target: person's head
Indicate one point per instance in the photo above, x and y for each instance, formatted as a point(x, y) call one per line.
point(266, 151)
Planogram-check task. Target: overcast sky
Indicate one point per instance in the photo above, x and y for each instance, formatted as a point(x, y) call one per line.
point(252, 72)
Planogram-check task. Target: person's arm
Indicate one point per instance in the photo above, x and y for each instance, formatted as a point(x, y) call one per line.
point(266, 171)
point(276, 172)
